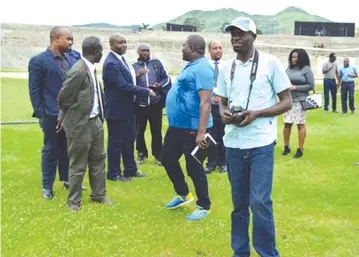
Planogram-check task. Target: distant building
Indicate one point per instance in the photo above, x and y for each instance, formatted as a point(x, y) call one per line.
point(180, 27)
point(324, 29)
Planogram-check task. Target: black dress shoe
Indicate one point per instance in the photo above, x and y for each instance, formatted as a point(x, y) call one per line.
point(104, 201)
point(47, 194)
point(73, 207)
point(209, 169)
point(141, 158)
point(115, 178)
point(124, 179)
point(223, 168)
point(120, 178)
point(137, 175)
point(67, 185)
point(158, 162)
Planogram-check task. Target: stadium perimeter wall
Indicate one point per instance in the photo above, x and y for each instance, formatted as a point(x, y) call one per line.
point(19, 42)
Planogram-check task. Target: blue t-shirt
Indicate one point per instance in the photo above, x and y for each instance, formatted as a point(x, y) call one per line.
point(75, 56)
point(183, 102)
point(345, 71)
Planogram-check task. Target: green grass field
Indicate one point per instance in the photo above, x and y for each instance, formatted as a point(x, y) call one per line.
point(316, 199)
point(12, 70)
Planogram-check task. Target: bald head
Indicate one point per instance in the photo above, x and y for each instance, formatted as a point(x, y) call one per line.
point(198, 43)
point(118, 44)
point(143, 51)
point(214, 43)
point(346, 62)
point(92, 49)
point(215, 49)
point(58, 32)
point(90, 45)
point(115, 38)
point(193, 48)
point(71, 41)
point(143, 46)
point(61, 39)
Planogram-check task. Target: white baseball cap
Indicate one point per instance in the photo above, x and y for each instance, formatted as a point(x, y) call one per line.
point(243, 23)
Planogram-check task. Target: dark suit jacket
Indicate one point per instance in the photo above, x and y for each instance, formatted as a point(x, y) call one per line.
point(76, 99)
point(45, 82)
point(119, 90)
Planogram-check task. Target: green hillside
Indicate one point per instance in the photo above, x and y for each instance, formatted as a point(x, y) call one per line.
point(106, 26)
point(213, 21)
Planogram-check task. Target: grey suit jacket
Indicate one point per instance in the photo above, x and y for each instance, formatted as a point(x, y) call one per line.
point(76, 99)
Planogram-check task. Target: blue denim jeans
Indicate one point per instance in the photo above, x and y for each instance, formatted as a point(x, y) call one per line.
point(330, 86)
point(250, 173)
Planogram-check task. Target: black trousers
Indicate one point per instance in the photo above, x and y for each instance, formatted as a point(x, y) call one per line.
point(178, 142)
point(347, 89)
point(153, 114)
point(121, 137)
point(217, 154)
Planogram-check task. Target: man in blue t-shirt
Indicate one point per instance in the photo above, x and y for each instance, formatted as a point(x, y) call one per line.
point(188, 108)
point(74, 55)
point(347, 75)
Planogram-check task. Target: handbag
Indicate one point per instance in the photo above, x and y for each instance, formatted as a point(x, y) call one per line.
point(314, 101)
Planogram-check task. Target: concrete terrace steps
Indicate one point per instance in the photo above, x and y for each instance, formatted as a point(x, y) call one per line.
point(21, 41)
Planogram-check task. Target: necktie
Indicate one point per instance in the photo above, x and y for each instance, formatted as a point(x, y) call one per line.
point(98, 90)
point(129, 70)
point(124, 61)
point(216, 71)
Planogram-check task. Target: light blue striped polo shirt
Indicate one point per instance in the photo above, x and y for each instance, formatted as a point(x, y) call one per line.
point(271, 79)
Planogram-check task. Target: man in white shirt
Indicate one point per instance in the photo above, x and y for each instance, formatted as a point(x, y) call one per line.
point(330, 73)
point(82, 115)
point(217, 155)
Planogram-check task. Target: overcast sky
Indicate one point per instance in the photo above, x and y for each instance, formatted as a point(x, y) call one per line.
point(70, 12)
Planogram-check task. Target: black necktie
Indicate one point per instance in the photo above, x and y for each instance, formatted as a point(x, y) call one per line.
point(216, 71)
point(124, 61)
point(129, 70)
point(98, 90)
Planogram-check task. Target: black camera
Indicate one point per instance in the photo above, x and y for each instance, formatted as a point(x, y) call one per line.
point(237, 115)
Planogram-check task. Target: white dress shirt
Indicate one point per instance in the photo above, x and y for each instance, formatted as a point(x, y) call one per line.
point(129, 68)
point(220, 64)
point(212, 63)
point(96, 105)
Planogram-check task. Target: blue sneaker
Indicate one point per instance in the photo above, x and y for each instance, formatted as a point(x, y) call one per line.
point(198, 214)
point(179, 201)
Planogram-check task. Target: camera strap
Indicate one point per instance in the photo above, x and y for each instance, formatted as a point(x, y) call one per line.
point(251, 78)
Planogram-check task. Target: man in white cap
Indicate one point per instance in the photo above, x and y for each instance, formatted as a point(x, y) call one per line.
point(249, 85)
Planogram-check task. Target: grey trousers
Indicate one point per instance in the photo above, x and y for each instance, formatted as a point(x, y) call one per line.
point(87, 150)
